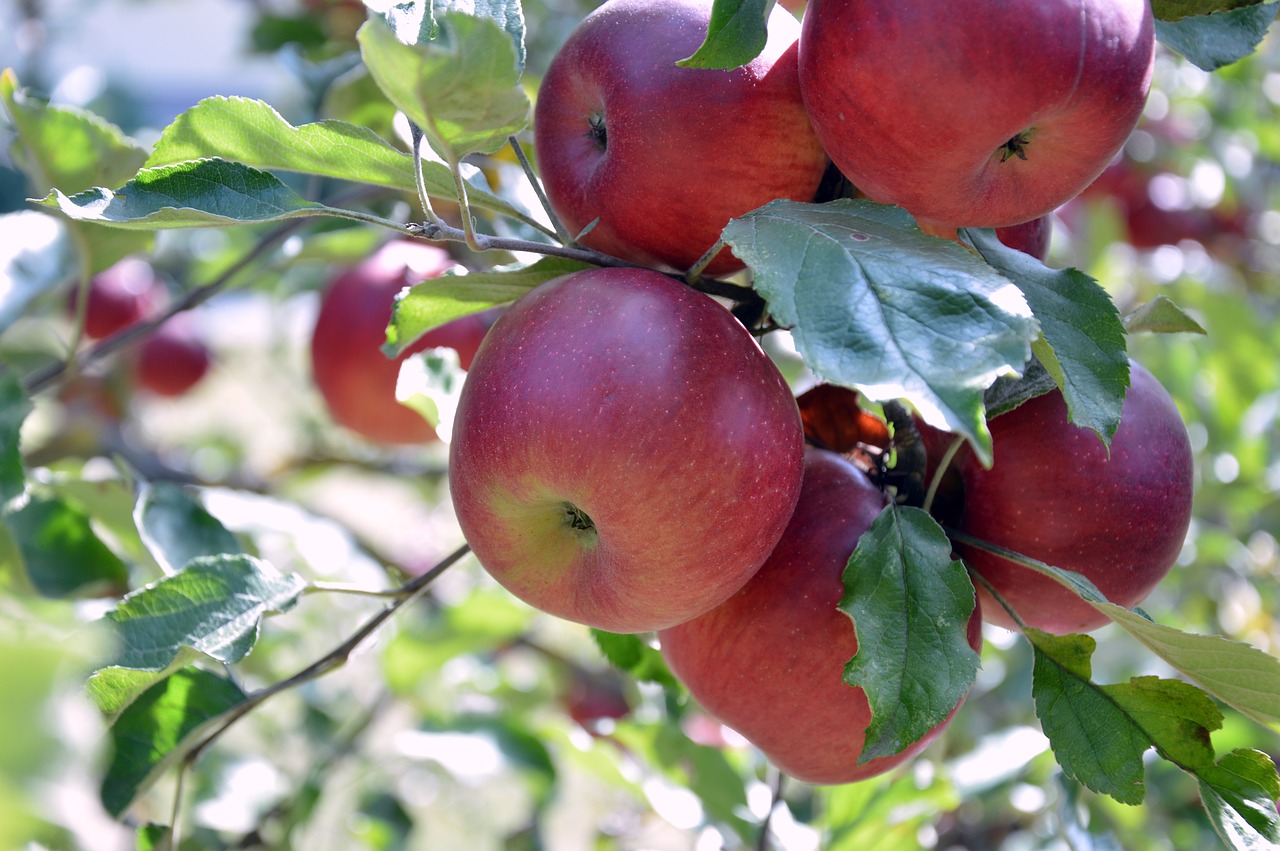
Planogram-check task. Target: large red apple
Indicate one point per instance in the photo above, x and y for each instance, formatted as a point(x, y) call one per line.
point(989, 114)
point(357, 381)
point(624, 455)
point(770, 661)
point(1054, 494)
point(664, 156)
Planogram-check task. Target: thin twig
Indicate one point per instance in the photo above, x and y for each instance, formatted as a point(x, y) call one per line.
point(334, 659)
point(936, 481)
point(532, 177)
point(419, 178)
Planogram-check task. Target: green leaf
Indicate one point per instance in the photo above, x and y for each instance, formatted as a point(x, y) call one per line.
point(878, 306)
point(176, 528)
point(737, 33)
point(114, 689)
point(910, 604)
point(507, 14)
point(463, 89)
point(64, 147)
point(62, 555)
point(440, 300)
point(14, 407)
point(214, 606)
point(1216, 40)
point(1099, 733)
point(1083, 347)
point(161, 727)
point(151, 836)
point(1172, 10)
point(1240, 794)
point(1011, 391)
point(1161, 316)
point(253, 133)
point(1240, 675)
point(200, 193)
point(635, 656)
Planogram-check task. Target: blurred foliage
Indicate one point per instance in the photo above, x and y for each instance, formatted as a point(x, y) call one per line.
point(472, 722)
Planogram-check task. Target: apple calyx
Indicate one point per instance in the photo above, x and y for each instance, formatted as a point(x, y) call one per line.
point(579, 523)
point(598, 132)
point(1016, 146)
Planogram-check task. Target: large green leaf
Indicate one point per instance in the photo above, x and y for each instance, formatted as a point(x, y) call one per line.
point(416, 21)
point(253, 133)
point(196, 193)
point(738, 31)
point(61, 554)
point(176, 528)
point(1099, 733)
point(14, 407)
point(910, 604)
point(1212, 41)
point(432, 303)
point(161, 727)
point(214, 606)
point(878, 306)
point(462, 89)
point(1238, 674)
point(64, 147)
point(1083, 347)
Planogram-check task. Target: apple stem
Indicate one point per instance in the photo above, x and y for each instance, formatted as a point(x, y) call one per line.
point(532, 177)
point(464, 207)
point(1004, 604)
point(762, 839)
point(418, 178)
point(936, 480)
point(696, 270)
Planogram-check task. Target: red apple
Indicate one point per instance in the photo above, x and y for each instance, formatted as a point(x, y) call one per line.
point(1053, 493)
point(1029, 237)
point(989, 115)
point(770, 661)
point(358, 381)
point(624, 455)
point(664, 156)
point(118, 297)
point(173, 359)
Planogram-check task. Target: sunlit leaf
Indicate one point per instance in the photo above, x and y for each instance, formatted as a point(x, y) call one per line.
point(462, 89)
point(737, 33)
point(432, 303)
point(199, 193)
point(1240, 795)
point(877, 305)
point(159, 728)
point(176, 528)
point(214, 606)
point(1213, 41)
point(1083, 347)
point(1161, 316)
point(911, 602)
point(635, 656)
point(61, 553)
point(1172, 10)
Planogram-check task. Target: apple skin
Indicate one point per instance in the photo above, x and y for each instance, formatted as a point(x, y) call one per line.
point(624, 397)
point(770, 661)
point(173, 359)
point(119, 296)
point(1053, 494)
point(358, 381)
point(1029, 237)
point(918, 108)
point(686, 149)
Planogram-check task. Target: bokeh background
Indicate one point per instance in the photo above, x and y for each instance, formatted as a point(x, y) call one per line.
point(471, 721)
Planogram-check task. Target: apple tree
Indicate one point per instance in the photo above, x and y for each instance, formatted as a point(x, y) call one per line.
point(677, 424)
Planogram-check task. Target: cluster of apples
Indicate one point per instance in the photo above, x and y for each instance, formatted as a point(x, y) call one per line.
point(174, 357)
point(625, 455)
